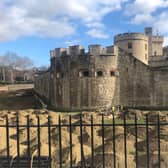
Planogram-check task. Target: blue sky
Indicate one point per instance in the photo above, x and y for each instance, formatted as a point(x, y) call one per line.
point(33, 27)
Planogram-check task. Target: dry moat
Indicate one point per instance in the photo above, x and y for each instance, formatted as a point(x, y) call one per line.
point(23, 102)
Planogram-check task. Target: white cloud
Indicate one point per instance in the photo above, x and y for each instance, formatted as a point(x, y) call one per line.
point(52, 18)
point(142, 11)
point(142, 18)
point(145, 6)
point(17, 22)
point(152, 12)
point(72, 42)
point(165, 41)
point(161, 22)
point(95, 33)
point(95, 25)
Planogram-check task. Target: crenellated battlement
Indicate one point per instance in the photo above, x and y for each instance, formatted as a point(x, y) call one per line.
point(130, 36)
point(57, 52)
point(79, 50)
point(96, 49)
point(157, 39)
point(76, 50)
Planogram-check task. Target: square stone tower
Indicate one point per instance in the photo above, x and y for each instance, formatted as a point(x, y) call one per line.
point(155, 43)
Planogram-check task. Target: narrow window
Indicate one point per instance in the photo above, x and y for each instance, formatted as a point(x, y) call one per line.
point(146, 47)
point(84, 74)
point(129, 45)
point(146, 56)
point(99, 73)
point(155, 53)
point(112, 73)
point(58, 75)
point(130, 54)
point(52, 76)
point(80, 74)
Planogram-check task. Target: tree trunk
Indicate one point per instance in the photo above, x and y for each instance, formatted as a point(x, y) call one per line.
point(3, 74)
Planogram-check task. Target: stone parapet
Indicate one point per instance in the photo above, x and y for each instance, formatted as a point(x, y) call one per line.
point(130, 36)
point(76, 50)
point(157, 39)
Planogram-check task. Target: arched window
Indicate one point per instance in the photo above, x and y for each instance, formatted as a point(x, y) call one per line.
point(99, 73)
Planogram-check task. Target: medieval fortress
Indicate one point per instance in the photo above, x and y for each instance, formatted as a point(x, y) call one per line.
point(132, 73)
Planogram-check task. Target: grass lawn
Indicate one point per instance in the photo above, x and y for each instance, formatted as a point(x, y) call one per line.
point(120, 121)
point(73, 113)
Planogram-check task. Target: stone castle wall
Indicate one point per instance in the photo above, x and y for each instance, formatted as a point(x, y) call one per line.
point(42, 85)
point(159, 85)
point(110, 76)
point(135, 85)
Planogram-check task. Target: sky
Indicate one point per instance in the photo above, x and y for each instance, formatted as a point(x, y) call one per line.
point(33, 27)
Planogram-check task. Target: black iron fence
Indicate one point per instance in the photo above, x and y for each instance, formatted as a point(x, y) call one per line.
point(145, 153)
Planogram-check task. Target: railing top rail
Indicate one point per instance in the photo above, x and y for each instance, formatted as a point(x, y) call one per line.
point(87, 125)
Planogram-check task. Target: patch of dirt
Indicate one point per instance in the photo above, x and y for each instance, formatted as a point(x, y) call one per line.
point(17, 100)
point(22, 103)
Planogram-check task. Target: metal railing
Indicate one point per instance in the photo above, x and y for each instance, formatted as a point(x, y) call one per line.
point(85, 162)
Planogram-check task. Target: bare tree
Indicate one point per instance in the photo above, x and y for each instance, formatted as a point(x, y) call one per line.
point(12, 61)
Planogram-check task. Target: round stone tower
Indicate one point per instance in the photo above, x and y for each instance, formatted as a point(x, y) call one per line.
point(135, 44)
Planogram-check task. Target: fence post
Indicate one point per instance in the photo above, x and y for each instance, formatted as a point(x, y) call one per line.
point(136, 142)
point(18, 141)
point(39, 143)
point(81, 142)
point(158, 126)
point(125, 140)
point(114, 145)
point(7, 141)
point(60, 141)
point(92, 141)
point(49, 141)
point(147, 141)
point(70, 139)
point(28, 140)
point(103, 157)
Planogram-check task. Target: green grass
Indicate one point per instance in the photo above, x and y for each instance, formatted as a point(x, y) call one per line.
point(140, 153)
point(120, 121)
point(73, 113)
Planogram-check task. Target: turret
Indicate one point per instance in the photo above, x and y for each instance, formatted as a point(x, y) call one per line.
point(95, 49)
point(135, 44)
point(57, 52)
point(76, 50)
point(155, 43)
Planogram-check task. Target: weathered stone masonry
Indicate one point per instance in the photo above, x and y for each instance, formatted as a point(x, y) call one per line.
point(82, 81)
point(105, 77)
